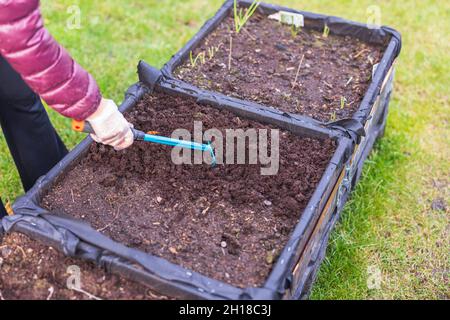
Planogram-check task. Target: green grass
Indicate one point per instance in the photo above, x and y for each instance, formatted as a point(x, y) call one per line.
point(388, 223)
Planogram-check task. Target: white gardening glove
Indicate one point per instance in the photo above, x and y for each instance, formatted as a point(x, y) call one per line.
point(110, 126)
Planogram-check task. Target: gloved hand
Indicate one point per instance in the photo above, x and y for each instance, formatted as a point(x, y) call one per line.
point(110, 126)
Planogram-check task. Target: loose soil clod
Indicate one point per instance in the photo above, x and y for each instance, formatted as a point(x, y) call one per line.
point(213, 221)
point(262, 68)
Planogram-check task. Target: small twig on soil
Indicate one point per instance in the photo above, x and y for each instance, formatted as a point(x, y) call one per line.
point(1, 296)
point(230, 55)
point(111, 223)
point(90, 295)
point(71, 192)
point(349, 81)
point(328, 85)
point(23, 252)
point(249, 34)
point(298, 72)
point(360, 53)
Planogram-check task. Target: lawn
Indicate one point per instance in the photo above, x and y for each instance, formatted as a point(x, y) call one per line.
point(392, 224)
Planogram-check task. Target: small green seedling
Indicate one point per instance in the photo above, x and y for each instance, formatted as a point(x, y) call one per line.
point(294, 31)
point(343, 102)
point(294, 84)
point(213, 50)
point(193, 62)
point(326, 31)
point(240, 19)
point(230, 53)
point(201, 56)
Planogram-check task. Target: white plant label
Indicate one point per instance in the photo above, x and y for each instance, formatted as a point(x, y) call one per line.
point(289, 18)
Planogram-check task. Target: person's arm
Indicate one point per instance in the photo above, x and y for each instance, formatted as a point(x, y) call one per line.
point(51, 72)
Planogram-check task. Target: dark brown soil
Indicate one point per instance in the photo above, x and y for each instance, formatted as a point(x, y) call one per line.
point(266, 57)
point(229, 222)
point(30, 270)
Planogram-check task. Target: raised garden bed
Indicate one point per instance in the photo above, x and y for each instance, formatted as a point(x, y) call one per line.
point(229, 222)
point(329, 70)
point(335, 71)
point(332, 72)
point(30, 270)
point(152, 209)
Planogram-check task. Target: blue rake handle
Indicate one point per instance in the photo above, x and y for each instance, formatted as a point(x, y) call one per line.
point(139, 135)
point(84, 126)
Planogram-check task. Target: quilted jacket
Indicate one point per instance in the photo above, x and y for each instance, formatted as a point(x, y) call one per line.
point(43, 63)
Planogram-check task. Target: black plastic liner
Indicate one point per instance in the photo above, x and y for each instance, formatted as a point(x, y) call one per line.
point(77, 239)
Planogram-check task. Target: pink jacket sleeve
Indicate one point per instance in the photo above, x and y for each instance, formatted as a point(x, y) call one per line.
point(44, 64)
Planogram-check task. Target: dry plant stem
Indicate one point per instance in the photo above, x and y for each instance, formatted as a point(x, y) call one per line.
point(360, 53)
point(90, 295)
point(298, 72)
point(22, 251)
point(231, 50)
point(249, 34)
point(111, 223)
point(349, 81)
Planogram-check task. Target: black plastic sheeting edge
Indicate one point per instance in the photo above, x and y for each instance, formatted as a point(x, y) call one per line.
point(351, 128)
point(69, 232)
point(311, 274)
point(78, 239)
point(153, 77)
